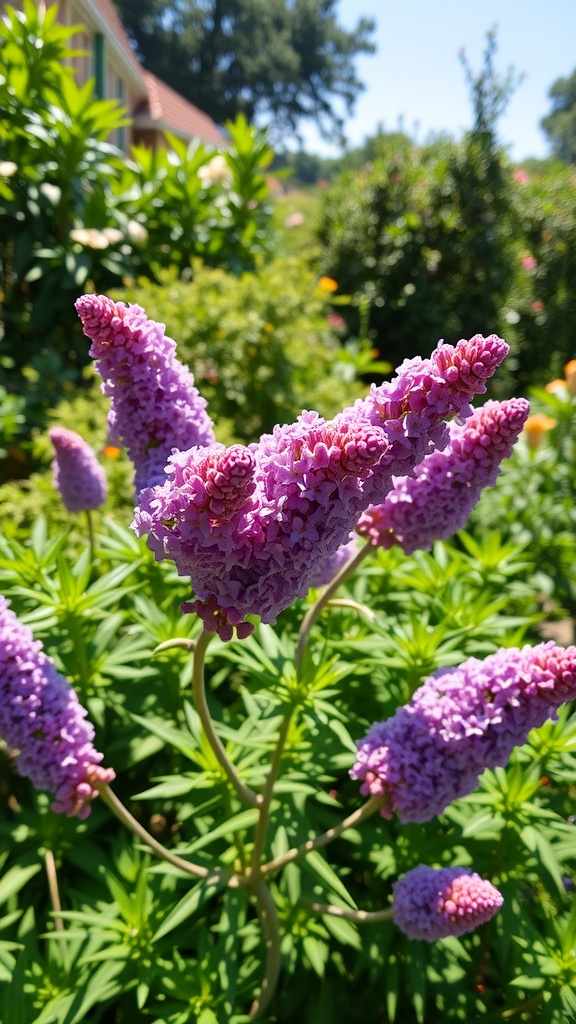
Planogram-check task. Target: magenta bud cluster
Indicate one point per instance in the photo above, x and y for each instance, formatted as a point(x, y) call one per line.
point(432, 903)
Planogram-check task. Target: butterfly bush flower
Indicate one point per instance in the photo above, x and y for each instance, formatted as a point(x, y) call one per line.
point(155, 406)
point(305, 487)
point(41, 718)
point(459, 722)
point(431, 903)
point(436, 502)
point(78, 475)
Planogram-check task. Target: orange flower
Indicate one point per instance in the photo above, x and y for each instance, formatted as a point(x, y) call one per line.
point(327, 284)
point(570, 371)
point(535, 427)
point(111, 452)
point(555, 387)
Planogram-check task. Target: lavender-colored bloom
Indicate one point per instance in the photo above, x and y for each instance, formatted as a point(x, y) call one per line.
point(155, 407)
point(41, 719)
point(437, 500)
point(459, 722)
point(431, 903)
point(77, 473)
point(326, 572)
point(309, 482)
point(412, 408)
point(283, 507)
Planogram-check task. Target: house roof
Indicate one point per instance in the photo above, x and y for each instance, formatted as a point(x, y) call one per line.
point(166, 110)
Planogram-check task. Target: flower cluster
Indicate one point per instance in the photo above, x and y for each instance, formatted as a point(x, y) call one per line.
point(284, 506)
point(436, 502)
point(307, 484)
point(431, 903)
point(77, 473)
point(155, 406)
point(42, 720)
point(459, 722)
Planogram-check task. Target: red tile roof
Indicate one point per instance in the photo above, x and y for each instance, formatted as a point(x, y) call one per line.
point(166, 110)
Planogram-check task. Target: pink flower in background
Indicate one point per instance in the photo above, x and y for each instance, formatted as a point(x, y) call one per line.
point(78, 475)
point(335, 320)
point(430, 904)
point(528, 263)
point(41, 718)
point(522, 177)
point(294, 220)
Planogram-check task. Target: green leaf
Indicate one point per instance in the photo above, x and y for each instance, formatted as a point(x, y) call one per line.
point(187, 906)
point(318, 866)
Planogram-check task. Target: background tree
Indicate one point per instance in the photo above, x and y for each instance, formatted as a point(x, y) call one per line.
point(560, 124)
point(280, 62)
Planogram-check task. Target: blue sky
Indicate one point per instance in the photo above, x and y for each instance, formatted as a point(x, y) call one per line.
point(416, 74)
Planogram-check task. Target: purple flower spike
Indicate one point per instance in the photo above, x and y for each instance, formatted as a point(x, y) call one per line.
point(155, 407)
point(436, 502)
point(41, 718)
point(459, 722)
point(283, 507)
point(430, 903)
point(412, 408)
point(77, 473)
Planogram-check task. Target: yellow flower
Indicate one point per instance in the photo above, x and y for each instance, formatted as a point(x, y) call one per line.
point(327, 284)
point(555, 387)
point(535, 427)
point(111, 452)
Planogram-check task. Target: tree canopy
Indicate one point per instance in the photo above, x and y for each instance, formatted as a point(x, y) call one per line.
point(279, 62)
point(560, 124)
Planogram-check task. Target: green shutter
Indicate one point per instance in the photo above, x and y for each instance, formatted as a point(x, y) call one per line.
point(99, 77)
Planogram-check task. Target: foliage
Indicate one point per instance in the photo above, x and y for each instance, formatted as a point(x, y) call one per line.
point(259, 345)
point(424, 234)
point(277, 63)
point(76, 214)
point(135, 938)
point(560, 123)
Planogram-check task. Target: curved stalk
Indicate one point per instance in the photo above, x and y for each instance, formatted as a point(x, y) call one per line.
point(318, 607)
point(267, 794)
point(52, 877)
point(270, 926)
point(372, 805)
point(357, 916)
point(246, 794)
point(196, 870)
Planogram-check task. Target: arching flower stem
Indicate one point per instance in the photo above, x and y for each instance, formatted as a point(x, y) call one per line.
point(247, 795)
point(317, 608)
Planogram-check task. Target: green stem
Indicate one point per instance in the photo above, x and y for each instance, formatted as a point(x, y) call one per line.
point(267, 794)
point(373, 804)
point(317, 608)
point(249, 796)
point(271, 928)
point(90, 531)
point(358, 916)
point(52, 877)
point(196, 870)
